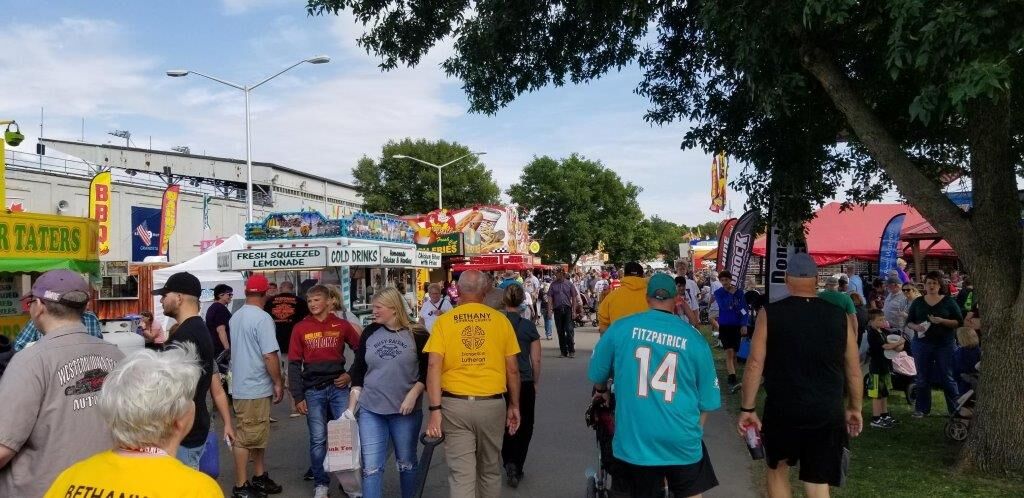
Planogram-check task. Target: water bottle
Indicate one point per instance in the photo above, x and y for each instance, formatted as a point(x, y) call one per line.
point(754, 445)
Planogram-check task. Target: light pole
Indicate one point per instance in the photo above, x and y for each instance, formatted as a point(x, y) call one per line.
point(178, 73)
point(439, 168)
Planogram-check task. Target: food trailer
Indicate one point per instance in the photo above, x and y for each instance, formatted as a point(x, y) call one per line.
point(31, 244)
point(361, 254)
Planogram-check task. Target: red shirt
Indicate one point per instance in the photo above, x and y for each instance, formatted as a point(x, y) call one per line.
point(314, 341)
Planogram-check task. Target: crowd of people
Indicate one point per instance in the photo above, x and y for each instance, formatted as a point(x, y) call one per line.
point(81, 416)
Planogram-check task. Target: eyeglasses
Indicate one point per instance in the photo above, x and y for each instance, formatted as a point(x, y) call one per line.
point(907, 290)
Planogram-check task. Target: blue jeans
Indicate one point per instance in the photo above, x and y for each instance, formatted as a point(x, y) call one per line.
point(549, 325)
point(324, 405)
point(191, 456)
point(375, 432)
point(928, 356)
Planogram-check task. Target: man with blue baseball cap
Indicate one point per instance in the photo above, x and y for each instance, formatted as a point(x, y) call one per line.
point(665, 383)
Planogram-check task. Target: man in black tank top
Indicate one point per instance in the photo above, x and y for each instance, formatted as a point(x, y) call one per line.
point(806, 349)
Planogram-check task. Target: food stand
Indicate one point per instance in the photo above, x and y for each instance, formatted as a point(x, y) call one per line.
point(362, 253)
point(486, 238)
point(33, 243)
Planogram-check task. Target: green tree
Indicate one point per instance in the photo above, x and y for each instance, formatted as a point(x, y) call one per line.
point(806, 93)
point(404, 186)
point(575, 203)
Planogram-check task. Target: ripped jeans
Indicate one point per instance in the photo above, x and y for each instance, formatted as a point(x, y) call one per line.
point(375, 434)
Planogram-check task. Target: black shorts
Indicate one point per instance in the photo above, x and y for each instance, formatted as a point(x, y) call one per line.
point(730, 336)
point(820, 453)
point(683, 480)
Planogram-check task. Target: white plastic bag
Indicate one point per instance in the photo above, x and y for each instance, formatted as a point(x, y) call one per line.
point(343, 452)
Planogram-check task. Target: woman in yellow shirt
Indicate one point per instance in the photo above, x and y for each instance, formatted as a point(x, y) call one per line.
point(147, 401)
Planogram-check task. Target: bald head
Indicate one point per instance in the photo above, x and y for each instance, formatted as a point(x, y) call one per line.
point(802, 286)
point(473, 286)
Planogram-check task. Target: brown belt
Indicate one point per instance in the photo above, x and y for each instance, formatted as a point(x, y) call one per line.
point(446, 394)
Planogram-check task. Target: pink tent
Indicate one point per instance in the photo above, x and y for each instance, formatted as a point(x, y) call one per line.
point(834, 237)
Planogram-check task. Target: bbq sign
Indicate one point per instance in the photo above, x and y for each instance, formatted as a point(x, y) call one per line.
point(273, 259)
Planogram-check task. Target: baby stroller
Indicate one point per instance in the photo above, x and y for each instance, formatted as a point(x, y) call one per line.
point(960, 420)
point(589, 314)
point(600, 416)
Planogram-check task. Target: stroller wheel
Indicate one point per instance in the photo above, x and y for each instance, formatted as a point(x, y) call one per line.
point(592, 487)
point(956, 430)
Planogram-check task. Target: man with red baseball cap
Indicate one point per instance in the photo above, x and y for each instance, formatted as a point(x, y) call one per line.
point(255, 383)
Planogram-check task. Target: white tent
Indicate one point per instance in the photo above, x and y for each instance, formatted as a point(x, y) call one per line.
point(204, 267)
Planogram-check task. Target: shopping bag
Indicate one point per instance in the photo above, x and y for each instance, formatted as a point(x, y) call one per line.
point(209, 464)
point(744, 348)
point(903, 364)
point(342, 446)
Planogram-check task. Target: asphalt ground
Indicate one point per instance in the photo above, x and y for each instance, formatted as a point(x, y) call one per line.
point(562, 450)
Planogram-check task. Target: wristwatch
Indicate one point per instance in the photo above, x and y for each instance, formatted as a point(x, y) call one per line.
point(434, 407)
point(747, 410)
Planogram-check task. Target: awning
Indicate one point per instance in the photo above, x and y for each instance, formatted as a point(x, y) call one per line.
point(498, 262)
point(40, 265)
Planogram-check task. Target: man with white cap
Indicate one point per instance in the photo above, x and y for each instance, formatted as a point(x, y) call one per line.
point(806, 350)
point(51, 390)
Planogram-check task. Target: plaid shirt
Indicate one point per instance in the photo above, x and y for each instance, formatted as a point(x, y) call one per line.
point(31, 334)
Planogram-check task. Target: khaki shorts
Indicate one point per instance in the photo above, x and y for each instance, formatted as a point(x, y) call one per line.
point(252, 422)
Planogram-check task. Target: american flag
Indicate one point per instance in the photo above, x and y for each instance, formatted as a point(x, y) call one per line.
point(143, 232)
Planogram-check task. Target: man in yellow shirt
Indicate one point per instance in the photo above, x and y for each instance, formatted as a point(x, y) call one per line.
point(147, 401)
point(626, 300)
point(472, 369)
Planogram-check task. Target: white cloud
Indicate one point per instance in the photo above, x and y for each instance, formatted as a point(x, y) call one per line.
point(235, 7)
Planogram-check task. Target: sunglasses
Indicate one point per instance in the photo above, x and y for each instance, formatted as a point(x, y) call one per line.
point(907, 290)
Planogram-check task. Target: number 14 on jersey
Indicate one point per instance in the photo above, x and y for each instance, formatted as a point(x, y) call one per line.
point(664, 378)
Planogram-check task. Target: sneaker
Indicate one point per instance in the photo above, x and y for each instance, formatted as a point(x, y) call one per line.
point(512, 475)
point(880, 423)
point(917, 415)
point(308, 476)
point(734, 388)
point(321, 492)
point(265, 484)
point(572, 355)
point(246, 491)
point(892, 421)
point(273, 420)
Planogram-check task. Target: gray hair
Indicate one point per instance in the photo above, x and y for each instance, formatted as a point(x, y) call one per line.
point(286, 286)
point(434, 287)
point(473, 282)
point(147, 392)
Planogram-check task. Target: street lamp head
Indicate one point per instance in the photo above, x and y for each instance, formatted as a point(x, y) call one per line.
point(479, 153)
point(320, 59)
point(399, 156)
point(177, 73)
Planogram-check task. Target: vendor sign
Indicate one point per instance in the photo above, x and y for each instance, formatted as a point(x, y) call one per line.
point(354, 256)
point(99, 208)
point(428, 259)
point(39, 242)
point(448, 245)
point(391, 256)
point(273, 259)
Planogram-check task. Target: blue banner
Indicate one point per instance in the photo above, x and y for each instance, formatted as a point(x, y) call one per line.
point(889, 247)
point(145, 233)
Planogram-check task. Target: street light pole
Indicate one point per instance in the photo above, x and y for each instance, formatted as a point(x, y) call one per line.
point(178, 73)
point(439, 168)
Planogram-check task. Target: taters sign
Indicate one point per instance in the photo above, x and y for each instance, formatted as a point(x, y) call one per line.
point(273, 259)
point(30, 236)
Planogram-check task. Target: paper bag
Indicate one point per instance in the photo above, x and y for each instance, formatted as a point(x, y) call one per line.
point(342, 446)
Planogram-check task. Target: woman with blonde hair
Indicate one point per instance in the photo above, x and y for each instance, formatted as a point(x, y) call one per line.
point(389, 376)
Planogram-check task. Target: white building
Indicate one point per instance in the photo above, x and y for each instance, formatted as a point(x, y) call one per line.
point(45, 184)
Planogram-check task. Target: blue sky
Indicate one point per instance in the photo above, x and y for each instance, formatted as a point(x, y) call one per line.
point(105, 61)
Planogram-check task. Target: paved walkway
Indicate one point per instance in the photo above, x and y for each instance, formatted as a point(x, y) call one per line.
point(562, 451)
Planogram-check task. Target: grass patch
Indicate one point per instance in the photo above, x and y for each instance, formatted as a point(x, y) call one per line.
point(914, 459)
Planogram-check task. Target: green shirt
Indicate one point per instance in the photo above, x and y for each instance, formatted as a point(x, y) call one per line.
point(945, 308)
point(840, 299)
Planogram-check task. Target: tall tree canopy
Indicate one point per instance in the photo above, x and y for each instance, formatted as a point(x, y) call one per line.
point(903, 93)
point(575, 203)
point(404, 186)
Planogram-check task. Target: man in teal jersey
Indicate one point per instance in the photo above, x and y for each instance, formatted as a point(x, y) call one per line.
point(665, 383)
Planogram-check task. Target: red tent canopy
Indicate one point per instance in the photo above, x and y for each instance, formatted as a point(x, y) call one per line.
point(835, 237)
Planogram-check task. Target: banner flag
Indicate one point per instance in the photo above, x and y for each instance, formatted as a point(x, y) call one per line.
point(144, 241)
point(100, 208)
point(169, 216)
point(724, 233)
point(3, 175)
point(741, 245)
point(778, 258)
point(889, 246)
point(719, 180)
point(206, 212)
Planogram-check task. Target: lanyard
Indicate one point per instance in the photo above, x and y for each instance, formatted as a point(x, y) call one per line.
point(144, 451)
